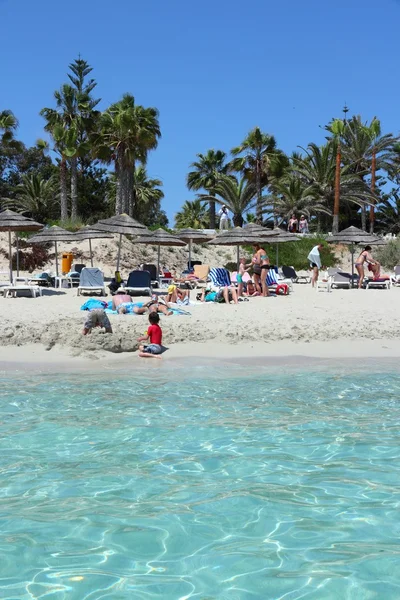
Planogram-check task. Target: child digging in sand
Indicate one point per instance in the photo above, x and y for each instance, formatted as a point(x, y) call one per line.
point(154, 334)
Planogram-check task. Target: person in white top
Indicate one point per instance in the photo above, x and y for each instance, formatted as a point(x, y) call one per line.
point(315, 262)
point(223, 217)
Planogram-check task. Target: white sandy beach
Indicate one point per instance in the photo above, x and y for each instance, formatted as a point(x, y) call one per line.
point(342, 324)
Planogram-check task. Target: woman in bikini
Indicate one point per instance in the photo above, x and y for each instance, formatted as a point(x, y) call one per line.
point(373, 265)
point(261, 260)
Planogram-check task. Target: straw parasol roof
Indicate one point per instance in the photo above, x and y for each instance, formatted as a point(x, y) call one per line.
point(283, 236)
point(12, 221)
point(239, 236)
point(54, 234)
point(124, 225)
point(194, 235)
point(352, 235)
point(89, 233)
point(159, 238)
point(260, 230)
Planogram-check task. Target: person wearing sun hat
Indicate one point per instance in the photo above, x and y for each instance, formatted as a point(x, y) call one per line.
point(303, 225)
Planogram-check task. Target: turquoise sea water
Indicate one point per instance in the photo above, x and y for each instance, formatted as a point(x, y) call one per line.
point(225, 484)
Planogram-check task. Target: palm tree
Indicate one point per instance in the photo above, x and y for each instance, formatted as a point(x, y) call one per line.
point(238, 196)
point(318, 171)
point(291, 195)
point(127, 133)
point(364, 150)
point(36, 196)
point(260, 157)
point(205, 175)
point(8, 124)
point(193, 214)
point(388, 213)
point(337, 128)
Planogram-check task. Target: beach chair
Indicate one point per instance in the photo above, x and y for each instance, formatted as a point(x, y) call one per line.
point(324, 283)
point(152, 269)
point(273, 282)
point(220, 277)
point(340, 279)
point(381, 283)
point(11, 291)
point(43, 279)
point(91, 280)
point(395, 278)
point(139, 282)
point(290, 273)
point(201, 272)
point(193, 263)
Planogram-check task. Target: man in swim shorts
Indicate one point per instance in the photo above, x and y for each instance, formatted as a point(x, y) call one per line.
point(96, 318)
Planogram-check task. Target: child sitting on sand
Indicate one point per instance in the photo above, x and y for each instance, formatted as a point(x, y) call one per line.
point(154, 334)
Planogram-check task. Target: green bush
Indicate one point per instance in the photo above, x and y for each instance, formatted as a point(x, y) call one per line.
point(389, 255)
point(69, 224)
point(294, 254)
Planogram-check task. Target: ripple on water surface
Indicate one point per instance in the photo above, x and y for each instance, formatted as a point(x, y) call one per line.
point(278, 486)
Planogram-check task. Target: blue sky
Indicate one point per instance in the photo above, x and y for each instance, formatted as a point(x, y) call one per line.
point(214, 69)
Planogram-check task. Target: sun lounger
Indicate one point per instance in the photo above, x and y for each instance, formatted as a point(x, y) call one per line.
point(290, 273)
point(43, 279)
point(201, 271)
point(91, 280)
point(395, 278)
point(11, 291)
point(381, 283)
point(139, 282)
point(340, 280)
point(152, 269)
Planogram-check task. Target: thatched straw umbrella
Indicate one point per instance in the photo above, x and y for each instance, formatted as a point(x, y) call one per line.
point(191, 235)
point(54, 234)
point(12, 221)
point(240, 236)
point(89, 233)
point(282, 237)
point(124, 225)
point(353, 236)
point(159, 238)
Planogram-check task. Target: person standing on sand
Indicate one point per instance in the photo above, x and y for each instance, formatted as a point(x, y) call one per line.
point(315, 263)
point(241, 272)
point(261, 260)
point(154, 334)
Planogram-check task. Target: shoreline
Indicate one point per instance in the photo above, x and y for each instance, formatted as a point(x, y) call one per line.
point(353, 354)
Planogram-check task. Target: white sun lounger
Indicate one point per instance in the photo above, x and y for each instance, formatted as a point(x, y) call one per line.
point(11, 291)
point(91, 280)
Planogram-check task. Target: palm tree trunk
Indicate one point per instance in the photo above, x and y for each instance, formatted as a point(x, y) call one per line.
point(373, 180)
point(74, 187)
point(63, 189)
point(119, 174)
point(336, 206)
point(130, 191)
point(133, 189)
point(211, 209)
point(259, 215)
point(237, 220)
point(364, 218)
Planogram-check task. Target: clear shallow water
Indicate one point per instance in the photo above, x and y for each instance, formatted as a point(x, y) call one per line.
point(278, 486)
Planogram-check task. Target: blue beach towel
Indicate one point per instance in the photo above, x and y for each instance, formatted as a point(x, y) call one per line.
point(93, 303)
